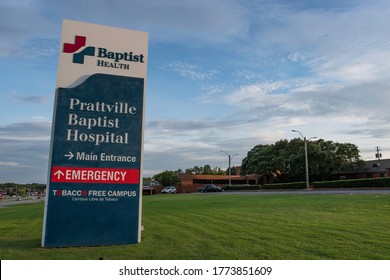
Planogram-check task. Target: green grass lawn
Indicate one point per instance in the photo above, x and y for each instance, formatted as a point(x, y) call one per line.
point(202, 226)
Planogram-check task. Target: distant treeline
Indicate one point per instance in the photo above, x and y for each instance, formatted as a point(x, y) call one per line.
point(21, 189)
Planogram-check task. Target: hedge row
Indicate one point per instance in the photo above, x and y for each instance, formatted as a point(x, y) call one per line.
point(297, 185)
point(242, 187)
point(285, 186)
point(357, 183)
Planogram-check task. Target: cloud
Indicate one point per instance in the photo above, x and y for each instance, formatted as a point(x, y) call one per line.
point(24, 152)
point(309, 99)
point(258, 95)
point(8, 163)
point(27, 131)
point(186, 21)
point(328, 42)
point(21, 22)
point(23, 161)
point(192, 71)
point(38, 99)
point(34, 23)
point(172, 145)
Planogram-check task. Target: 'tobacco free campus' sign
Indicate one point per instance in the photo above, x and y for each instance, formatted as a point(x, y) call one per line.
point(94, 189)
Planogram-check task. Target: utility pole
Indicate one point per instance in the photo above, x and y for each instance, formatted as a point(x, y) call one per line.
point(378, 155)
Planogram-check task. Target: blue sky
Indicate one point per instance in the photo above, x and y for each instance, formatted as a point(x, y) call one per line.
point(222, 75)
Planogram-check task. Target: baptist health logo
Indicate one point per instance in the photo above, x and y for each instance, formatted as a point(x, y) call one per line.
point(105, 57)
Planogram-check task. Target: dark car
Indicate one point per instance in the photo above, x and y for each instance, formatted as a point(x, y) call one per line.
point(211, 188)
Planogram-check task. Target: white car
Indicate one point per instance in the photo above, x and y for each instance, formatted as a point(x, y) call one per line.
point(168, 190)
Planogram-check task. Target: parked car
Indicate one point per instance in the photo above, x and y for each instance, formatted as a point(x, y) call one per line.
point(168, 190)
point(211, 188)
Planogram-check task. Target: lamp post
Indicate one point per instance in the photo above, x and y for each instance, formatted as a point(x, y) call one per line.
point(230, 160)
point(306, 157)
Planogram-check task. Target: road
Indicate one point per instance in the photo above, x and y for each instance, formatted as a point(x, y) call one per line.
point(7, 202)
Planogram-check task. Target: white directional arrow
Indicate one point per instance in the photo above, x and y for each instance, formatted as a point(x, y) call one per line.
point(59, 173)
point(70, 155)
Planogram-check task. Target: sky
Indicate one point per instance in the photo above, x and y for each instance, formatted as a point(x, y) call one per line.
point(222, 75)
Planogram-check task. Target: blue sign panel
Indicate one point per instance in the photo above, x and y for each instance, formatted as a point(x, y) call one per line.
point(94, 192)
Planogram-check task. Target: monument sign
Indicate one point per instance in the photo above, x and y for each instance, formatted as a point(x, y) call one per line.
point(94, 189)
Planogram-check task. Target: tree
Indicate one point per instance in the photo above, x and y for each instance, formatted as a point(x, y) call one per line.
point(233, 171)
point(285, 160)
point(328, 156)
point(168, 178)
point(260, 160)
point(205, 170)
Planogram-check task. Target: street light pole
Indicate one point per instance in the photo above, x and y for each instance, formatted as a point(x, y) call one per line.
point(306, 165)
point(306, 157)
point(230, 160)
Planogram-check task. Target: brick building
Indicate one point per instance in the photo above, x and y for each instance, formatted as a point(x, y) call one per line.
point(191, 182)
